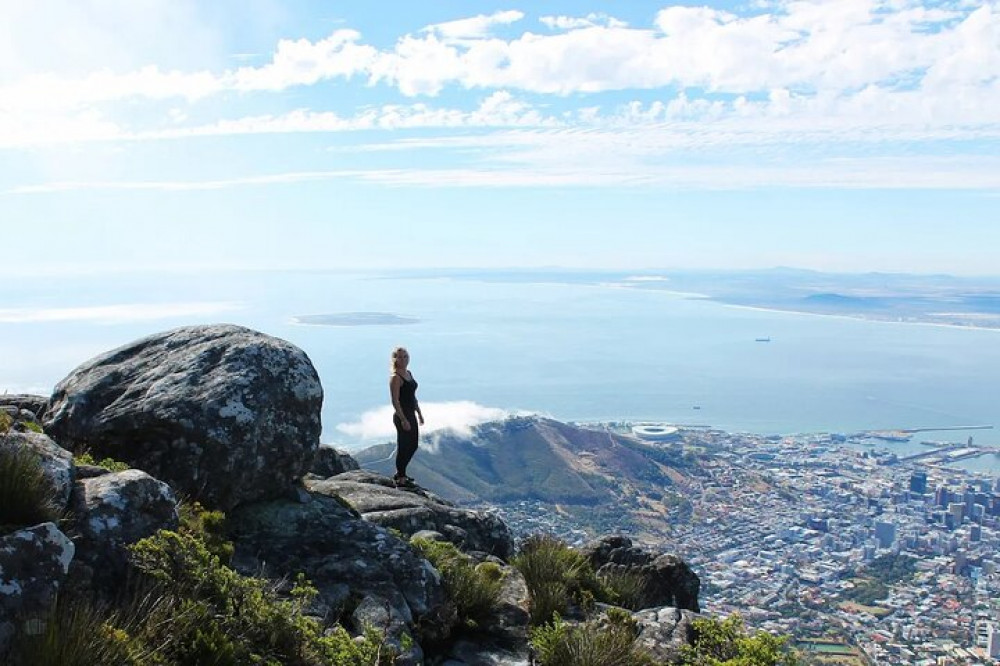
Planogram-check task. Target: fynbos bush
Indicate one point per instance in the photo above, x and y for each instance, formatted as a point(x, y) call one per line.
point(474, 589)
point(556, 575)
point(610, 642)
point(27, 496)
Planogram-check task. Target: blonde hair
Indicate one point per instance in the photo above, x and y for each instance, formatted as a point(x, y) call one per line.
point(392, 364)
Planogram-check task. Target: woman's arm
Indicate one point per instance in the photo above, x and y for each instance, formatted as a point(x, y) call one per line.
point(394, 384)
point(420, 414)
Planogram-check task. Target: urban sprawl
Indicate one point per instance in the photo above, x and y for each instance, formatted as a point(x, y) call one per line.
point(861, 555)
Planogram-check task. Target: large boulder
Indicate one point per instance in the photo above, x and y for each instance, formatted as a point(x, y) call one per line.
point(224, 414)
point(57, 462)
point(110, 513)
point(667, 579)
point(330, 461)
point(362, 572)
point(412, 510)
point(33, 564)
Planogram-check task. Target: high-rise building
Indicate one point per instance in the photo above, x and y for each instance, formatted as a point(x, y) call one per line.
point(993, 643)
point(957, 509)
point(975, 533)
point(885, 534)
point(941, 496)
point(918, 483)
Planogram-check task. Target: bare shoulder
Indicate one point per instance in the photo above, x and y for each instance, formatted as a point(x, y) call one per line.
point(395, 380)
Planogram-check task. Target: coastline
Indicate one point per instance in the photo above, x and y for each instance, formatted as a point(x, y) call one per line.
point(854, 317)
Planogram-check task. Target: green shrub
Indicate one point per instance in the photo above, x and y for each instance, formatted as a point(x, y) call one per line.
point(474, 589)
point(225, 618)
point(556, 575)
point(209, 526)
point(33, 427)
point(628, 589)
point(5, 421)
point(107, 463)
point(595, 643)
point(27, 496)
point(727, 643)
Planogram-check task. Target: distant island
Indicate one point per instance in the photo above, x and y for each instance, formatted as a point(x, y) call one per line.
point(355, 319)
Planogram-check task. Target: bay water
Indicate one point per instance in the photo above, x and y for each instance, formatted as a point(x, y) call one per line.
point(587, 350)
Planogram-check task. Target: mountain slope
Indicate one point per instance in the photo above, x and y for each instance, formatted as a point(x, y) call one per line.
point(532, 458)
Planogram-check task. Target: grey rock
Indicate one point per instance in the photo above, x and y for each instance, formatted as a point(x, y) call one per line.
point(90, 471)
point(110, 513)
point(663, 632)
point(329, 461)
point(222, 413)
point(668, 581)
point(346, 558)
point(487, 653)
point(415, 509)
point(57, 462)
point(33, 564)
point(34, 404)
point(428, 535)
point(511, 615)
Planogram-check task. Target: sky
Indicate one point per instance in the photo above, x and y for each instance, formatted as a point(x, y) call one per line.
point(842, 135)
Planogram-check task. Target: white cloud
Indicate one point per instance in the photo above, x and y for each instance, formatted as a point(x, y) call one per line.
point(807, 45)
point(476, 27)
point(576, 23)
point(459, 417)
point(115, 314)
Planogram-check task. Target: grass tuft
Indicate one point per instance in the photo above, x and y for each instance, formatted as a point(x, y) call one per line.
point(556, 575)
point(474, 589)
point(594, 643)
point(628, 589)
point(27, 496)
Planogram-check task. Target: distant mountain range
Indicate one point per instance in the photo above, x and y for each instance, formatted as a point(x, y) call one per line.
point(539, 459)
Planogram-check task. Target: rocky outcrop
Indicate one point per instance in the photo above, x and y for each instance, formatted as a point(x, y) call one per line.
point(224, 414)
point(57, 462)
point(111, 512)
point(33, 564)
point(414, 509)
point(24, 405)
point(663, 632)
point(667, 579)
point(329, 461)
point(363, 573)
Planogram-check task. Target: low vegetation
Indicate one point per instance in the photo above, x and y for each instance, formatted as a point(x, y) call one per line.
point(727, 643)
point(107, 463)
point(5, 422)
point(556, 576)
point(606, 642)
point(628, 589)
point(27, 496)
point(474, 588)
point(187, 608)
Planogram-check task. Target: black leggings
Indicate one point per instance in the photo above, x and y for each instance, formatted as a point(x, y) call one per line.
point(406, 442)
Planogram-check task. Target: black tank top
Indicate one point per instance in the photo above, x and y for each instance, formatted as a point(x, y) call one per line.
point(408, 394)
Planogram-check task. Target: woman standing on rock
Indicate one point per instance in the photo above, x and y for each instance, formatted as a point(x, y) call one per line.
point(403, 389)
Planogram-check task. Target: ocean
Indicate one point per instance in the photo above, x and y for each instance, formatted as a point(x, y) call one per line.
point(595, 348)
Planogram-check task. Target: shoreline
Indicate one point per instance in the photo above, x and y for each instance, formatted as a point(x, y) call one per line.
point(854, 317)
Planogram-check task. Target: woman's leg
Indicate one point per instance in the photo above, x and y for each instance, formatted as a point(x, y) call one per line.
point(406, 446)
